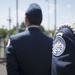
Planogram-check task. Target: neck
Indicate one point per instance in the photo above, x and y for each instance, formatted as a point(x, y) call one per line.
point(31, 26)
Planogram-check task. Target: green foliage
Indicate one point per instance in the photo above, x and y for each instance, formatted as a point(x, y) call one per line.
point(22, 27)
point(12, 31)
point(46, 32)
point(42, 28)
point(3, 32)
point(52, 33)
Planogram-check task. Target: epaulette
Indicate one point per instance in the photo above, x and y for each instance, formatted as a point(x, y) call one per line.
point(72, 27)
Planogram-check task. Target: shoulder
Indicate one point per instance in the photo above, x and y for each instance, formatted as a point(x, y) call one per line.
point(20, 35)
point(66, 31)
point(63, 38)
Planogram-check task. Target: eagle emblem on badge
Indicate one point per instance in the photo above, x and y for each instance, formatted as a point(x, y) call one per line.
point(59, 46)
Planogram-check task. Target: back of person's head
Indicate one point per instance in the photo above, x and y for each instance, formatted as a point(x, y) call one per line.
point(34, 14)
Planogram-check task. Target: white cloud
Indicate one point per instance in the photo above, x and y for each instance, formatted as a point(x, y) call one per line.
point(3, 22)
point(68, 6)
point(65, 19)
point(66, 16)
point(21, 13)
point(51, 9)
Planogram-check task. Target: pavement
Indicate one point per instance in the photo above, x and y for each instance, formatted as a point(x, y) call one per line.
point(3, 69)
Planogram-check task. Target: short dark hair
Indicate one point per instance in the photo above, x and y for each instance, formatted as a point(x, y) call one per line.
point(34, 14)
point(34, 21)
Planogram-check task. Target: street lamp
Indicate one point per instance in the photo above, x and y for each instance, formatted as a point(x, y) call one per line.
point(48, 2)
point(55, 15)
point(9, 21)
point(17, 27)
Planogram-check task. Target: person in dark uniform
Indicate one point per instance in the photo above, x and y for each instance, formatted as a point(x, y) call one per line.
point(63, 53)
point(29, 52)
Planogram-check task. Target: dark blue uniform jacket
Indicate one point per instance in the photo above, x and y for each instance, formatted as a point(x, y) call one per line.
point(29, 53)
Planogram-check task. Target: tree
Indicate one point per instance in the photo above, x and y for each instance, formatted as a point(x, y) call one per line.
point(3, 32)
point(53, 31)
point(42, 28)
point(22, 27)
point(13, 31)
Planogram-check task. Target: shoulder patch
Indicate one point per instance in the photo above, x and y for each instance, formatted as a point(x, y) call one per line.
point(59, 46)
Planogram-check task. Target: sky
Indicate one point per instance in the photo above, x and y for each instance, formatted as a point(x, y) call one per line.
point(65, 12)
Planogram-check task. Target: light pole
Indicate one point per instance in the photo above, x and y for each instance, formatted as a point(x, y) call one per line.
point(17, 27)
point(9, 21)
point(48, 2)
point(55, 15)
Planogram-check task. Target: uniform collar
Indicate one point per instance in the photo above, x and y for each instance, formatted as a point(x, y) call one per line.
point(32, 26)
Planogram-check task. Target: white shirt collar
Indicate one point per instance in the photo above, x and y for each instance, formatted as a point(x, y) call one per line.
point(31, 26)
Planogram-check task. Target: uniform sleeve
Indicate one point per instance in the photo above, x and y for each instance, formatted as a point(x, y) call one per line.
point(11, 62)
point(63, 53)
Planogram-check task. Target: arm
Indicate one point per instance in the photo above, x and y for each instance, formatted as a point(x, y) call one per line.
point(12, 65)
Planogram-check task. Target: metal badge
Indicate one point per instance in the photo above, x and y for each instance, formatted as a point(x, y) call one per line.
point(59, 46)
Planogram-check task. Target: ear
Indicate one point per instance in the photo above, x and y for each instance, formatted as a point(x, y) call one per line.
point(26, 21)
